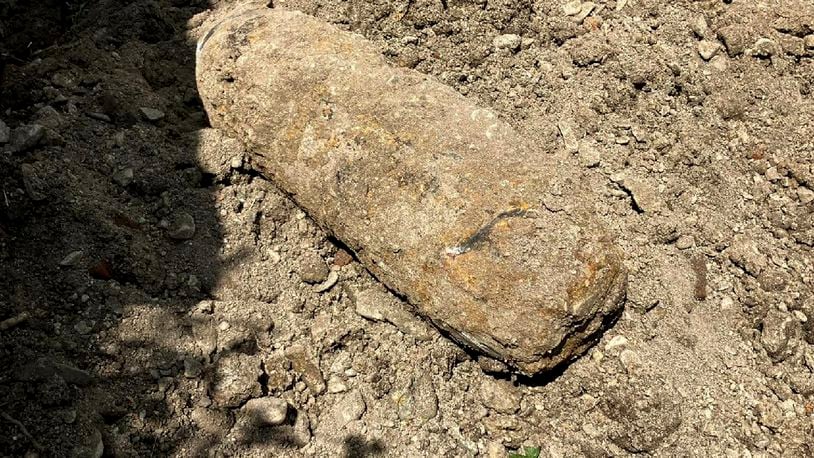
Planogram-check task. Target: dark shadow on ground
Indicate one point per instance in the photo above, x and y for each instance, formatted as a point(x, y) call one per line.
point(95, 224)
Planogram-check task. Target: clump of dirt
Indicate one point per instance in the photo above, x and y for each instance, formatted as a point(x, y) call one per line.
point(159, 297)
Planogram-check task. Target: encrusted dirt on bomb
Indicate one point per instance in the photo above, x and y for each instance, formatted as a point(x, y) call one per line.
point(439, 198)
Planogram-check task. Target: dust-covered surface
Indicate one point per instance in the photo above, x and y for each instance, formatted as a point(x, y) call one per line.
point(165, 300)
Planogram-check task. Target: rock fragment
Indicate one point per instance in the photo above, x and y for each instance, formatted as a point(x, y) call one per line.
point(378, 305)
point(182, 227)
point(708, 49)
point(779, 334)
point(509, 41)
point(35, 186)
point(499, 395)
point(267, 411)
point(27, 137)
point(304, 364)
point(357, 143)
point(350, 408)
point(235, 379)
point(152, 114)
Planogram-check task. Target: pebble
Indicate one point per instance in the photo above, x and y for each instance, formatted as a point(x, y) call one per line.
point(182, 227)
point(630, 360)
point(336, 385)
point(572, 8)
point(235, 379)
point(727, 303)
point(772, 174)
point(313, 269)
point(123, 177)
point(584, 11)
point(569, 136)
point(499, 395)
point(236, 162)
point(303, 364)
point(350, 408)
point(99, 116)
point(71, 259)
point(333, 277)
point(589, 156)
point(27, 137)
point(376, 304)
point(5, 133)
point(83, 327)
point(34, 186)
point(778, 335)
point(805, 195)
point(269, 411)
point(764, 47)
point(808, 41)
point(708, 49)
point(616, 342)
point(151, 114)
point(508, 41)
point(684, 242)
point(192, 368)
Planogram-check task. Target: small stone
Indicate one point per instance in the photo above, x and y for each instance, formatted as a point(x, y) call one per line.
point(123, 177)
point(303, 364)
point(192, 368)
point(495, 449)
point(508, 41)
point(808, 41)
point(377, 304)
point(336, 385)
point(700, 27)
point(83, 327)
point(727, 303)
point(151, 114)
point(99, 116)
point(585, 10)
point(800, 316)
point(350, 408)
point(736, 38)
point(182, 227)
point(569, 136)
point(235, 379)
point(34, 186)
point(764, 48)
point(268, 411)
point(333, 277)
point(772, 174)
point(805, 195)
point(684, 242)
point(629, 360)
point(572, 8)
point(499, 395)
point(708, 49)
point(313, 269)
point(779, 334)
point(71, 259)
point(26, 137)
point(616, 342)
point(236, 162)
point(5, 133)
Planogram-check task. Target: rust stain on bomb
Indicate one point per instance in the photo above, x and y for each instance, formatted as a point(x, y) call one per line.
point(440, 199)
